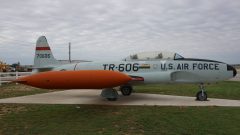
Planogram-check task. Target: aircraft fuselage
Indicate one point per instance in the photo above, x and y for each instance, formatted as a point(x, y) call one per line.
point(163, 71)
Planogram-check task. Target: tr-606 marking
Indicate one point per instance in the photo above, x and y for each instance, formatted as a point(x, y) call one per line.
point(122, 67)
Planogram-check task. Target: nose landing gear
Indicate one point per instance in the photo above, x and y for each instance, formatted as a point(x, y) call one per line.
point(201, 95)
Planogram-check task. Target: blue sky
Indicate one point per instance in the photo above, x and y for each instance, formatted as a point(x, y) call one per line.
point(113, 29)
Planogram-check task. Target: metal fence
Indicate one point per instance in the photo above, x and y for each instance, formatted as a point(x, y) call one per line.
point(10, 76)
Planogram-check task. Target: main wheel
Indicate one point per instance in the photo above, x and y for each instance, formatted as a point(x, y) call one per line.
point(126, 90)
point(201, 96)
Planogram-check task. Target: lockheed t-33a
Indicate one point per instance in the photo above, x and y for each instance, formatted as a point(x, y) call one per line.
point(140, 68)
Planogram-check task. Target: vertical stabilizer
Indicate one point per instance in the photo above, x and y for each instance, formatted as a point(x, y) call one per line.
point(43, 54)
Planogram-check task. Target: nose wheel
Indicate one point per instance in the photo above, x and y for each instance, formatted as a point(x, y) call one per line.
point(202, 94)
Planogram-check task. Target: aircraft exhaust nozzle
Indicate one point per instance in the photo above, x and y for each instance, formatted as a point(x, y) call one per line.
point(81, 79)
point(234, 72)
point(231, 68)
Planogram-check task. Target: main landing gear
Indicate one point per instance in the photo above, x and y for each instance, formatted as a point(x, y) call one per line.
point(126, 90)
point(201, 95)
point(112, 95)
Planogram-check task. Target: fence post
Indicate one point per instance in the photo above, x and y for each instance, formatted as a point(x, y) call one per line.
point(0, 79)
point(16, 75)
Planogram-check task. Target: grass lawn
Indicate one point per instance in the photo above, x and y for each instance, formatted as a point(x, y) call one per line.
point(14, 90)
point(90, 119)
point(84, 119)
point(226, 89)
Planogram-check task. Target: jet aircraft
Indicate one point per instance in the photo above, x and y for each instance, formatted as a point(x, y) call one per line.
point(141, 68)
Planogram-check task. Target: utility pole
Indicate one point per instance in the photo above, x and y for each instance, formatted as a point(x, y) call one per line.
point(69, 47)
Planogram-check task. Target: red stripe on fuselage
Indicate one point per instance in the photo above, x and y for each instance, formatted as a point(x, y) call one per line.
point(42, 48)
point(138, 79)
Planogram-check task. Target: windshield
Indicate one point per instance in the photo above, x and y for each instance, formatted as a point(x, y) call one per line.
point(153, 56)
point(177, 56)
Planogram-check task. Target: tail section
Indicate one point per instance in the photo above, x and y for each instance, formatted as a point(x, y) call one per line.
point(43, 54)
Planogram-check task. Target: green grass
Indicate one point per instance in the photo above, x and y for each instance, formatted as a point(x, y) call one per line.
point(226, 89)
point(14, 90)
point(87, 120)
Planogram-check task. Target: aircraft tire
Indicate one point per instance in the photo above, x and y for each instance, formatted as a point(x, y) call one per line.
point(201, 97)
point(126, 90)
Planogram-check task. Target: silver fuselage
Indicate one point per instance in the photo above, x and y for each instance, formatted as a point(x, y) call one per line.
point(163, 71)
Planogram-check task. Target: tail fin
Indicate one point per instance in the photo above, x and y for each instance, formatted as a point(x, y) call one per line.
point(43, 54)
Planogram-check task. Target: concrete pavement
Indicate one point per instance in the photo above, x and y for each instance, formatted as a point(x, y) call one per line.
point(93, 97)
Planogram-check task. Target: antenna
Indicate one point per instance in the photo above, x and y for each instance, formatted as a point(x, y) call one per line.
point(69, 47)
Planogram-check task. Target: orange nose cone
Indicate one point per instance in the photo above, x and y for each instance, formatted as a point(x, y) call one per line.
point(83, 79)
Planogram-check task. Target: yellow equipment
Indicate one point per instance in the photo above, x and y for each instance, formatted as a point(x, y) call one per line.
point(3, 67)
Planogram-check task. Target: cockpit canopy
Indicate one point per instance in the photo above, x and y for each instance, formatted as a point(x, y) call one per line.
point(153, 56)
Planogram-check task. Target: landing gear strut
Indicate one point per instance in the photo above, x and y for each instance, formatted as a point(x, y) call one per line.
point(126, 90)
point(110, 94)
point(201, 95)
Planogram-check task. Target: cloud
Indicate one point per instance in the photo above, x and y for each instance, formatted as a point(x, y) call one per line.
point(113, 29)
